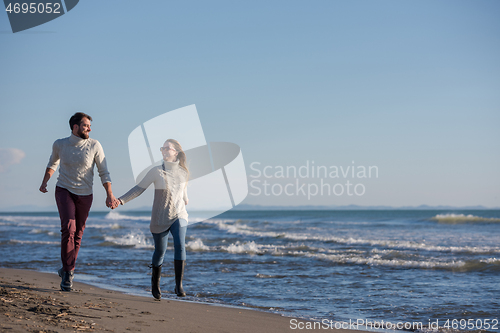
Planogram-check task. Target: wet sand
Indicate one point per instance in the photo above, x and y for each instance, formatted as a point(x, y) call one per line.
point(33, 302)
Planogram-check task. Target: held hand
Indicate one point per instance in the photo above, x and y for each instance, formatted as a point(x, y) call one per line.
point(112, 202)
point(43, 188)
point(116, 203)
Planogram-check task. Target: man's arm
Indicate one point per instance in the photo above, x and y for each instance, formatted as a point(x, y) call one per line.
point(111, 201)
point(102, 168)
point(48, 173)
point(51, 167)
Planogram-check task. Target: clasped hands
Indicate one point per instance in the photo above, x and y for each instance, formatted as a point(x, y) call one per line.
point(112, 202)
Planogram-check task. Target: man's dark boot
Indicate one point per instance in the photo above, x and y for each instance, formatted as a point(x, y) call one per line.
point(66, 279)
point(155, 281)
point(179, 274)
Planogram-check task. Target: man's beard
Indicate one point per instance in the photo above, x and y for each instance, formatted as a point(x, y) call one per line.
point(83, 135)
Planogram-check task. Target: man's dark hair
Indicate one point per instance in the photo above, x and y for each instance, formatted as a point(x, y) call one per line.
point(76, 119)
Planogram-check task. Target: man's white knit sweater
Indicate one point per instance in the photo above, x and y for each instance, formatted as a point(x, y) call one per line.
point(170, 195)
point(77, 157)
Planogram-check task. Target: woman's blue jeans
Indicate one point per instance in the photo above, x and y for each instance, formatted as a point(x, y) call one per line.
point(161, 241)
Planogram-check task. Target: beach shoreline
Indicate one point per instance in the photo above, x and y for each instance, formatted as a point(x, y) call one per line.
point(32, 301)
point(397, 268)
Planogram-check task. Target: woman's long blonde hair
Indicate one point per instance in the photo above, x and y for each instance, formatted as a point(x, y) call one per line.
point(181, 156)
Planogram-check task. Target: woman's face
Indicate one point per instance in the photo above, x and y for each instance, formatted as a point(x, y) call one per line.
point(169, 153)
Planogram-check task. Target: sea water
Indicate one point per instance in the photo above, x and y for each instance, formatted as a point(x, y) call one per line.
point(394, 266)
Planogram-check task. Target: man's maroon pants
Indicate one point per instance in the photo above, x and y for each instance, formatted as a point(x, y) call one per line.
point(73, 211)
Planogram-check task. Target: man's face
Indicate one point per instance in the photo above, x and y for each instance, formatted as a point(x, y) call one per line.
point(84, 129)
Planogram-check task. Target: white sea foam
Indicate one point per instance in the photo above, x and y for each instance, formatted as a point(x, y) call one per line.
point(373, 257)
point(17, 241)
point(135, 239)
point(254, 248)
point(113, 215)
point(41, 231)
point(193, 220)
point(344, 256)
point(243, 229)
point(238, 247)
point(35, 224)
point(353, 256)
point(31, 221)
point(218, 221)
point(104, 226)
point(13, 218)
point(197, 245)
point(264, 276)
point(376, 260)
point(491, 261)
point(461, 218)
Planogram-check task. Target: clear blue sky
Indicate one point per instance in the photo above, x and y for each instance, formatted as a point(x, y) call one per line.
point(411, 87)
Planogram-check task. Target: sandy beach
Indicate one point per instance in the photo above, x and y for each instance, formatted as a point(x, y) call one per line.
point(32, 302)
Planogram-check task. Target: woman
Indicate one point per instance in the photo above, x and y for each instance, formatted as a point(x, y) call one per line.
point(169, 211)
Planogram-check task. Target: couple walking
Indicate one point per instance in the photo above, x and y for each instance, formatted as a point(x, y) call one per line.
point(77, 155)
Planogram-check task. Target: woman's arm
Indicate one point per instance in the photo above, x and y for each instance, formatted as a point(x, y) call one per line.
point(133, 193)
point(185, 194)
point(137, 190)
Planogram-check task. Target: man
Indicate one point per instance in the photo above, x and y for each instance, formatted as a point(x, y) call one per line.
point(77, 155)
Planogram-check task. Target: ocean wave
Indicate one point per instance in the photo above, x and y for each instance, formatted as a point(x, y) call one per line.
point(384, 258)
point(237, 247)
point(491, 261)
point(376, 260)
point(483, 265)
point(42, 231)
point(192, 220)
point(197, 245)
point(245, 247)
point(14, 218)
point(113, 226)
point(33, 224)
point(402, 260)
point(461, 218)
point(113, 215)
point(17, 241)
point(269, 276)
point(132, 239)
point(243, 229)
point(31, 221)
